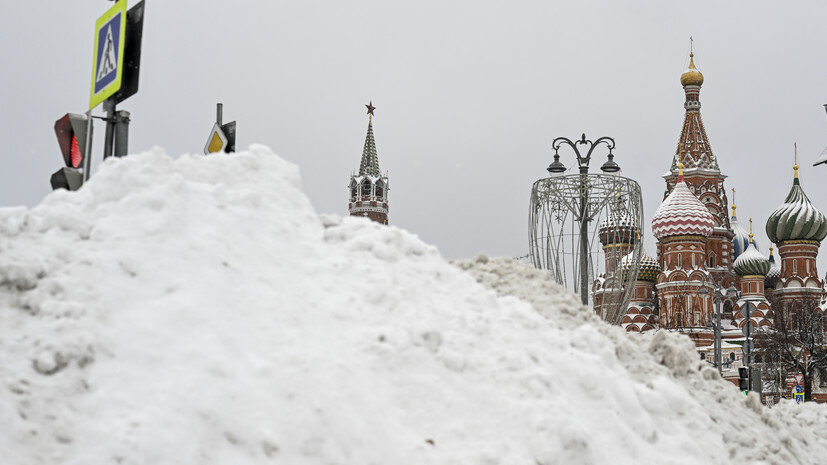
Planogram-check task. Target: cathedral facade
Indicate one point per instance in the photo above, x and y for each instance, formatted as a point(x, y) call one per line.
point(700, 247)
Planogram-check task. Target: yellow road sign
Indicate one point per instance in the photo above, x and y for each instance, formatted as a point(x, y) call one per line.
point(107, 62)
point(217, 141)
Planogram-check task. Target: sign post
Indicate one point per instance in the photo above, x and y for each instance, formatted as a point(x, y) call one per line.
point(222, 136)
point(107, 62)
point(115, 68)
point(798, 395)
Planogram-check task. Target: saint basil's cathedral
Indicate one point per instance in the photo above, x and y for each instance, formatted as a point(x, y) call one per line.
point(700, 246)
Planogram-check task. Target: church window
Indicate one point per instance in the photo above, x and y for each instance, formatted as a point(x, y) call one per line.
point(680, 264)
point(366, 187)
point(712, 261)
point(795, 266)
point(380, 191)
point(353, 189)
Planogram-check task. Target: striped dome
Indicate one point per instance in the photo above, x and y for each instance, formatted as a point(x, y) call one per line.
point(618, 228)
point(682, 214)
point(649, 268)
point(751, 262)
point(797, 219)
point(773, 274)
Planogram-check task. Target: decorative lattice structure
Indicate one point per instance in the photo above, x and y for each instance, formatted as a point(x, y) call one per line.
point(585, 222)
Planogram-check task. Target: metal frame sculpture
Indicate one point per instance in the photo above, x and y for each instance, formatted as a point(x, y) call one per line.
point(569, 212)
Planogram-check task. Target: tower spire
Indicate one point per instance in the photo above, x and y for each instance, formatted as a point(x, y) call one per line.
point(370, 160)
point(369, 189)
point(795, 166)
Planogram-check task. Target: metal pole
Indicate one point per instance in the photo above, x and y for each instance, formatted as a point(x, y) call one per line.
point(718, 355)
point(219, 113)
point(121, 133)
point(109, 108)
point(584, 239)
point(87, 163)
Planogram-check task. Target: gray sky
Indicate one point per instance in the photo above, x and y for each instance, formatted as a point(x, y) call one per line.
point(469, 96)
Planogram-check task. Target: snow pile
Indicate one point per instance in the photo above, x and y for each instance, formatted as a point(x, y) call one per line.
point(198, 311)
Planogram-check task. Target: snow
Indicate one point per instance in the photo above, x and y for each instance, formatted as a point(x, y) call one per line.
point(197, 310)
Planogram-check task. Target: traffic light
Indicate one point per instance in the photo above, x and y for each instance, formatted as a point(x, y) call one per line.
point(71, 137)
point(743, 378)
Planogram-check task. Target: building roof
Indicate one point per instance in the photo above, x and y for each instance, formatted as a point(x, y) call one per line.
point(740, 240)
point(648, 269)
point(370, 160)
point(682, 214)
point(773, 274)
point(751, 262)
point(692, 77)
point(797, 218)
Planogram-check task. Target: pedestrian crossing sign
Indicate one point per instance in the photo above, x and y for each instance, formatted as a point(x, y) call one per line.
point(107, 63)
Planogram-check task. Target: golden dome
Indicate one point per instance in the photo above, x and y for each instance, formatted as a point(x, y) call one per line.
point(692, 77)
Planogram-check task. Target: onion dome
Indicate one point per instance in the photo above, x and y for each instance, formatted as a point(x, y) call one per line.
point(681, 213)
point(692, 77)
point(740, 240)
point(797, 219)
point(649, 268)
point(773, 274)
point(618, 228)
point(751, 262)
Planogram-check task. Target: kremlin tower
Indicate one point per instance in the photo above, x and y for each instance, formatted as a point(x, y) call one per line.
point(369, 188)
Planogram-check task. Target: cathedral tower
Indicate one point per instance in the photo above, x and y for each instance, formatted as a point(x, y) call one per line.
point(703, 178)
point(683, 226)
point(752, 268)
point(798, 228)
point(369, 188)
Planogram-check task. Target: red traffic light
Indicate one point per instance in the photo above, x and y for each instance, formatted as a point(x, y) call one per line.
point(71, 137)
point(74, 155)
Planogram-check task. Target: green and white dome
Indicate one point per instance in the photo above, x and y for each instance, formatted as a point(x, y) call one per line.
point(797, 219)
point(751, 262)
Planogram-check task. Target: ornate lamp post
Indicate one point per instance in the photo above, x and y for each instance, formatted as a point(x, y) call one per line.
point(720, 294)
point(556, 167)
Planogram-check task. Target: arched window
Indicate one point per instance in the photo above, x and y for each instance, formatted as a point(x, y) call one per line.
point(712, 261)
point(353, 189)
point(366, 187)
point(680, 262)
point(380, 189)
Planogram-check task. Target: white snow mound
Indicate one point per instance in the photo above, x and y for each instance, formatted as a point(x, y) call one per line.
point(198, 311)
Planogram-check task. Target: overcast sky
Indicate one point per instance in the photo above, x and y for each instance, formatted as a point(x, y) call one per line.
point(469, 96)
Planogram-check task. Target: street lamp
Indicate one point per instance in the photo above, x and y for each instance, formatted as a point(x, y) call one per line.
point(556, 167)
point(719, 296)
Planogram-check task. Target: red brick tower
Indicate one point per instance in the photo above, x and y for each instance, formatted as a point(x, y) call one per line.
point(369, 188)
point(703, 178)
point(640, 315)
point(798, 228)
point(618, 235)
point(752, 268)
point(683, 226)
